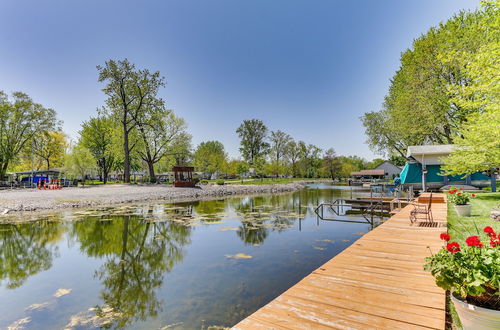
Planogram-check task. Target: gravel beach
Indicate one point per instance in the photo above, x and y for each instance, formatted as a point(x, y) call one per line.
point(22, 200)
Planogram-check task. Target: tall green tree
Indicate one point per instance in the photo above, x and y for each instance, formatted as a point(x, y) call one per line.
point(311, 160)
point(350, 164)
point(50, 148)
point(131, 93)
point(331, 163)
point(419, 108)
point(210, 157)
point(160, 131)
point(279, 142)
point(478, 149)
point(79, 162)
point(293, 153)
point(478, 144)
point(97, 136)
point(382, 135)
point(253, 135)
point(21, 120)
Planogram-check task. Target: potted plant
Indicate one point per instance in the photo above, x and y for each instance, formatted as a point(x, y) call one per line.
point(471, 272)
point(460, 200)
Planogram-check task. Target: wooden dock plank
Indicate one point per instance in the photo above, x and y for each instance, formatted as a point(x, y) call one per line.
point(376, 283)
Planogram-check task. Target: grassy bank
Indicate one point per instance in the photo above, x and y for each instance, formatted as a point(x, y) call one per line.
point(462, 227)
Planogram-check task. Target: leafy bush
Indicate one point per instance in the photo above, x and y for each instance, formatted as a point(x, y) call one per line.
point(459, 197)
point(220, 182)
point(472, 271)
point(203, 182)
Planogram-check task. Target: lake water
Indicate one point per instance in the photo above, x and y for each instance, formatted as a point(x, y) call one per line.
point(171, 266)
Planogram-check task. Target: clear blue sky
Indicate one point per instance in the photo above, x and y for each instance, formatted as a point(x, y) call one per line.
point(310, 68)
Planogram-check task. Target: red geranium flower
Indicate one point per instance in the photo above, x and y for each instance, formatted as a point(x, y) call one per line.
point(488, 230)
point(474, 241)
point(473, 195)
point(461, 188)
point(453, 247)
point(445, 236)
point(459, 193)
point(494, 239)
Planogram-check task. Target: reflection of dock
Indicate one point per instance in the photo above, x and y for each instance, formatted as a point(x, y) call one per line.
point(377, 282)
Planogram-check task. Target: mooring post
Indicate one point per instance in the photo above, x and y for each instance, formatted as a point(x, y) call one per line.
point(371, 205)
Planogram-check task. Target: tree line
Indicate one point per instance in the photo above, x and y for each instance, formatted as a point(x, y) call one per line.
point(275, 153)
point(135, 131)
point(446, 91)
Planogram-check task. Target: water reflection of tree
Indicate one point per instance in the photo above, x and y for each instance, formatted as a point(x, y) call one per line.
point(138, 254)
point(278, 212)
point(27, 249)
point(252, 233)
point(213, 209)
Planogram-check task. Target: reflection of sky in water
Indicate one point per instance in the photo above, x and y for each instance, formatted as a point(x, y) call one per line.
point(191, 264)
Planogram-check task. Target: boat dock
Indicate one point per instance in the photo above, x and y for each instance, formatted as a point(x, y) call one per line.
point(377, 282)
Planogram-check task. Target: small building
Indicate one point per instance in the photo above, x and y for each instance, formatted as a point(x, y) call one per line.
point(251, 173)
point(423, 169)
point(183, 176)
point(390, 170)
point(368, 174)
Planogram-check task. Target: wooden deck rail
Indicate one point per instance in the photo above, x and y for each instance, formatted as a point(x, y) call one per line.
point(377, 282)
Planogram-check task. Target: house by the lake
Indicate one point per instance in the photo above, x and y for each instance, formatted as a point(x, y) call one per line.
point(385, 170)
point(423, 169)
point(390, 170)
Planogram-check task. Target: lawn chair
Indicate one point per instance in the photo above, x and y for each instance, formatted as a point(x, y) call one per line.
point(420, 208)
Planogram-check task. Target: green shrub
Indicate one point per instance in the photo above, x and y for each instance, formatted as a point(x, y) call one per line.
point(203, 182)
point(220, 182)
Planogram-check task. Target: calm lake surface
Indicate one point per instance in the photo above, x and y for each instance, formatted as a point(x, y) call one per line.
point(171, 266)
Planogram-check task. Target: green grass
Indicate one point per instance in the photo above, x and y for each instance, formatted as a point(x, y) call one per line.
point(96, 182)
point(462, 227)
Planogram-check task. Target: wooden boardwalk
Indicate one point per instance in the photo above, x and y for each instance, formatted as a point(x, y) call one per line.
point(376, 283)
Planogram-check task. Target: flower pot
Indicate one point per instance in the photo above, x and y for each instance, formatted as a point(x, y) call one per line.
point(477, 318)
point(463, 210)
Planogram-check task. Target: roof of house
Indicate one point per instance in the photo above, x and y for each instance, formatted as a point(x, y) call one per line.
point(388, 163)
point(437, 149)
point(368, 172)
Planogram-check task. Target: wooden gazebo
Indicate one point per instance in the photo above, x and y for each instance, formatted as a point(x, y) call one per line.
point(183, 176)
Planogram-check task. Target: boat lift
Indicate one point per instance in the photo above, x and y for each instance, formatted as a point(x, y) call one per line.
point(370, 208)
point(339, 206)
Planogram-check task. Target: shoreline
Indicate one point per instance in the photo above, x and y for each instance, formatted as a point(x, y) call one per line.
point(34, 201)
